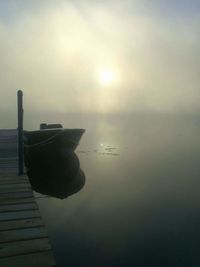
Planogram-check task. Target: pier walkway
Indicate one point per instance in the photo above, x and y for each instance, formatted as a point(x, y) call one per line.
point(23, 237)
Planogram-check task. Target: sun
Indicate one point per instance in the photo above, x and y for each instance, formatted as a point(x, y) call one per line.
point(107, 77)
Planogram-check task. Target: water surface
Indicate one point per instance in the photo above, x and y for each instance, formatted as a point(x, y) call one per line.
point(140, 205)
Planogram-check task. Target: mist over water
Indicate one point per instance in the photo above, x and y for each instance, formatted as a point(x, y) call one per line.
point(140, 154)
point(140, 203)
point(54, 51)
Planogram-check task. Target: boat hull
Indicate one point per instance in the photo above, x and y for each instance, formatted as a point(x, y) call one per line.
point(45, 147)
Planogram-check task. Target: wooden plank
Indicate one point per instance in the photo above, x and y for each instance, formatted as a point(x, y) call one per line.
point(3, 182)
point(8, 163)
point(7, 155)
point(14, 190)
point(23, 238)
point(20, 224)
point(12, 177)
point(18, 207)
point(15, 181)
point(19, 185)
point(7, 159)
point(8, 150)
point(8, 132)
point(8, 176)
point(42, 259)
point(16, 200)
point(16, 215)
point(9, 169)
point(15, 195)
point(11, 163)
point(22, 234)
point(24, 247)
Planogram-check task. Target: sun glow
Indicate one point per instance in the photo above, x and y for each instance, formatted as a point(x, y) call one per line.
point(107, 77)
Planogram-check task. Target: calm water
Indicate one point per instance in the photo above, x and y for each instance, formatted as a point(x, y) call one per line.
point(140, 205)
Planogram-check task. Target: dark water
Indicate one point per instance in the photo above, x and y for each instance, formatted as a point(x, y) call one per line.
point(140, 205)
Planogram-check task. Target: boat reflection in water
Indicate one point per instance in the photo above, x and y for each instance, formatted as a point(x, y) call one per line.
point(59, 178)
point(52, 165)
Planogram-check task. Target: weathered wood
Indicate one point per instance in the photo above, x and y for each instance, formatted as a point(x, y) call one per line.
point(20, 224)
point(12, 176)
point(8, 151)
point(23, 238)
point(24, 247)
point(4, 182)
point(20, 132)
point(19, 185)
point(19, 179)
point(42, 259)
point(13, 181)
point(15, 215)
point(8, 201)
point(18, 207)
point(14, 190)
point(22, 234)
point(15, 195)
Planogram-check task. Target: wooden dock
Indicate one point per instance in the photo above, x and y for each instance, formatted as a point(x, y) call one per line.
point(23, 237)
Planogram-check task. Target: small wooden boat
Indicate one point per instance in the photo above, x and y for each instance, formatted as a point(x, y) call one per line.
point(50, 144)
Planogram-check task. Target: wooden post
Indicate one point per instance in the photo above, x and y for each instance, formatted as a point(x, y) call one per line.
point(20, 133)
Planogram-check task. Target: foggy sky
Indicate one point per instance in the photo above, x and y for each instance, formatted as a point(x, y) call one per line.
point(54, 49)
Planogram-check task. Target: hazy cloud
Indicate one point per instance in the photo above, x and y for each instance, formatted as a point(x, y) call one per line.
point(53, 50)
